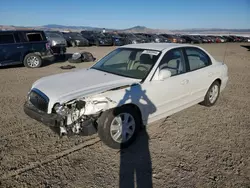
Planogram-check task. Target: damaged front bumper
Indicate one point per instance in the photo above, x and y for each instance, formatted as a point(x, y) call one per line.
point(47, 119)
point(57, 122)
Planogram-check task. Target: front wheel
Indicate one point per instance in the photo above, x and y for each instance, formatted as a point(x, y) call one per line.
point(212, 94)
point(119, 127)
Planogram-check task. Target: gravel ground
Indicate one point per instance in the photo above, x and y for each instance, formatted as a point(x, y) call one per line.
point(198, 147)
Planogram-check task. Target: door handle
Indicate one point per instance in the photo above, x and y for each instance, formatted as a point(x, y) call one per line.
point(20, 47)
point(184, 82)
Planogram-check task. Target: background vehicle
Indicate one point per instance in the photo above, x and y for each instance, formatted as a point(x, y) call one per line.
point(130, 38)
point(26, 47)
point(191, 39)
point(117, 40)
point(154, 38)
point(75, 39)
point(97, 38)
point(172, 38)
point(57, 42)
point(144, 38)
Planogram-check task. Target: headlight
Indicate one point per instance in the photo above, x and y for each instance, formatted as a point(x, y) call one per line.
point(157, 40)
point(53, 43)
point(60, 109)
point(134, 42)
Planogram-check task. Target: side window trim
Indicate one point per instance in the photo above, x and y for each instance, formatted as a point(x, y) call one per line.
point(198, 49)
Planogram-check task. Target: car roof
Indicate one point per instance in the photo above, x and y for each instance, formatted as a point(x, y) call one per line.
point(156, 46)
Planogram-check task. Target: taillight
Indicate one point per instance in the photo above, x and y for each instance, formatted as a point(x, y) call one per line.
point(48, 46)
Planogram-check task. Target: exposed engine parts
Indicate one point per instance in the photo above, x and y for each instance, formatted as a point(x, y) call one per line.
point(79, 116)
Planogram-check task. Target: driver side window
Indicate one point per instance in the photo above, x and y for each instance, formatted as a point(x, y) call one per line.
point(173, 61)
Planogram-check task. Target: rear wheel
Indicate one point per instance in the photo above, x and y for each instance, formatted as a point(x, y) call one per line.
point(32, 61)
point(119, 127)
point(212, 94)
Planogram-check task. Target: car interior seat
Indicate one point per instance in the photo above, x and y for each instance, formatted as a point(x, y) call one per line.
point(145, 63)
point(172, 62)
point(131, 61)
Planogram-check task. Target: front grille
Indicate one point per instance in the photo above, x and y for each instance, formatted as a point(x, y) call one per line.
point(39, 100)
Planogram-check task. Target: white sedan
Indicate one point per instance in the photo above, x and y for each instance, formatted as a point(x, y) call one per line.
point(132, 86)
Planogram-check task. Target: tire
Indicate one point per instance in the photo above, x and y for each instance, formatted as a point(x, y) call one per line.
point(105, 126)
point(207, 100)
point(32, 60)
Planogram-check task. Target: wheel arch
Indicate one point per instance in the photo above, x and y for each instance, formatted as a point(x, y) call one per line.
point(217, 80)
point(29, 52)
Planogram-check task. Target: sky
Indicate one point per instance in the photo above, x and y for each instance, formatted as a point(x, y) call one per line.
point(117, 14)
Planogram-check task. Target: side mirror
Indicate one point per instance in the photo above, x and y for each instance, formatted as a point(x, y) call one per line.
point(164, 74)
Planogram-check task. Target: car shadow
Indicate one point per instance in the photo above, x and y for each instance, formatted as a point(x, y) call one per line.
point(135, 161)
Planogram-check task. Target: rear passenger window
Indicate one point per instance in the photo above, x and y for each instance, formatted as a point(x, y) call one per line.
point(197, 58)
point(7, 39)
point(34, 37)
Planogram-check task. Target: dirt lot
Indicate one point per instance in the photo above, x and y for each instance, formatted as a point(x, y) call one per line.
point(198, 147)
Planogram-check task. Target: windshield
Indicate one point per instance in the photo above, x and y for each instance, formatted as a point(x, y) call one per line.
point(75, 35)
point(54, 35)
point(128, 62)
point(100, 35)
point(131, 35)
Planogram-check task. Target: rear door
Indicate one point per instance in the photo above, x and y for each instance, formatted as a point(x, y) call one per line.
point(10, 51)
point(201, 72)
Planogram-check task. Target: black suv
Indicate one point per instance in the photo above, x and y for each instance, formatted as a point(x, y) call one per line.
point(97, 38)
point(26, 47)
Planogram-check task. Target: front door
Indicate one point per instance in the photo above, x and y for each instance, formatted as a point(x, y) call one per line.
point(169, 95)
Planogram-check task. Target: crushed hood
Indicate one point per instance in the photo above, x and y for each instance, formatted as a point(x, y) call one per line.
point(67, 86)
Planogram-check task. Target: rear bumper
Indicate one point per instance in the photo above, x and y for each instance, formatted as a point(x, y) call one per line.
point(106, 43)
point(119, 43)
point(58, 49)
point(47, 54)
point(82, 43)
point(52, 120)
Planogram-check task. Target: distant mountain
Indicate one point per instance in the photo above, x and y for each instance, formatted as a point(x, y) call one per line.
point(143, 29)
point(136, 29)
point(72, 28)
